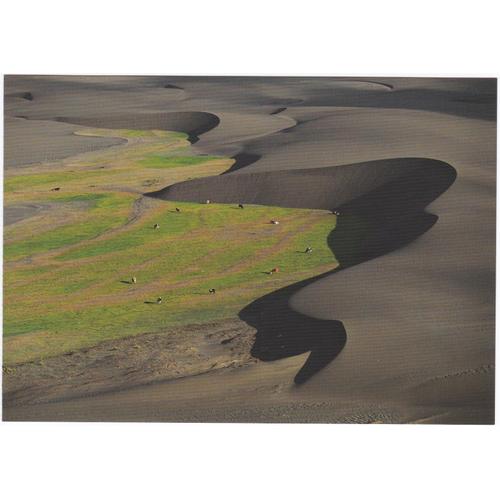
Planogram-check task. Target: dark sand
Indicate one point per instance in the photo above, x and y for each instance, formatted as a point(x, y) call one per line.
point(416, 301)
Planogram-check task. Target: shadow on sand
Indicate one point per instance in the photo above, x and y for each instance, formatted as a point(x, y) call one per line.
point(242, 160)
point(382, 208)
point(381, 221)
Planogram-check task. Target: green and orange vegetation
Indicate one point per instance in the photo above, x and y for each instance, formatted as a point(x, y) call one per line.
point(68, 269)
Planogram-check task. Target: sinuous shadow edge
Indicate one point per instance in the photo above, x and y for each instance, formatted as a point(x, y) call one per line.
point(382, 208)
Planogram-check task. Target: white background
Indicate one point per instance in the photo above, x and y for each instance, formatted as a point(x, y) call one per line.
point(384, 38)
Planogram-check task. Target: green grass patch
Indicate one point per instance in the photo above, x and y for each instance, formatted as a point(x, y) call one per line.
point(160, 161)
point(54, 179)
point(103, 216)
point(66, 286)
point(180, 267)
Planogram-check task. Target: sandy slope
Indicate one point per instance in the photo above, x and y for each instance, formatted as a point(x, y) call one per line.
point(419, 320)
point(33, 141)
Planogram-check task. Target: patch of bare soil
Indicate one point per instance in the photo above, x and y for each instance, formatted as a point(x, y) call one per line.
point(119, 364)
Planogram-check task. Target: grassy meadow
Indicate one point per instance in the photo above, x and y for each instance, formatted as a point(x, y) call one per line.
point(68, 267)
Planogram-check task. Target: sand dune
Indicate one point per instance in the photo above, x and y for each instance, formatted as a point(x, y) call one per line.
point(171, 86)
point(384, 185)
point(28, 96)
point(34, 141)
point(192, 123)
point(385, 200)
point(416, 314)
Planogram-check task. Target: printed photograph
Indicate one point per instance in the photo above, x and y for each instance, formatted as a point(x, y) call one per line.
point(249, 249)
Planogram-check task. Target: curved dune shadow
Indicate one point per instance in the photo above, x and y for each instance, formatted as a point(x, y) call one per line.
point(382, 208)
point(193, 123)
point(283, 332)
point(242, 160)
point(389, 217)
point(27, 96)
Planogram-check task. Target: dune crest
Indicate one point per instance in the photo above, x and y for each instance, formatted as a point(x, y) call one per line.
point(193, 123)
point(381, 205)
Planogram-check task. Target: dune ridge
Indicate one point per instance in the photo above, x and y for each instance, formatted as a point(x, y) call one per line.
point(193, 123)
point(422, 309)
point(324, 188)
point(387, 196)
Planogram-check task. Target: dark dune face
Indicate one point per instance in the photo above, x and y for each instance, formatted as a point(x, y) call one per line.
point(242, 160)
point(28, 96)
point(381, 206)
point(283, 332)
point(383, 185)
point(391, 215)
point(277, 111)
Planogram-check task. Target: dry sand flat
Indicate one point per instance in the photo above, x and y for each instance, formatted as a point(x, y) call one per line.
point(419, 318)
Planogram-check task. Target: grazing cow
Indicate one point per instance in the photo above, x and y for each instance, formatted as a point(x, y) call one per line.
point(156, 226)
point(275, 222)
point(274, 270)
point(159, 300)
point(240, 206)
point(212, 290)
point(208, 202)
point(55, 189)
point(336, 212)
point(177, 209)
point(134, 279)
point(308, 250)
